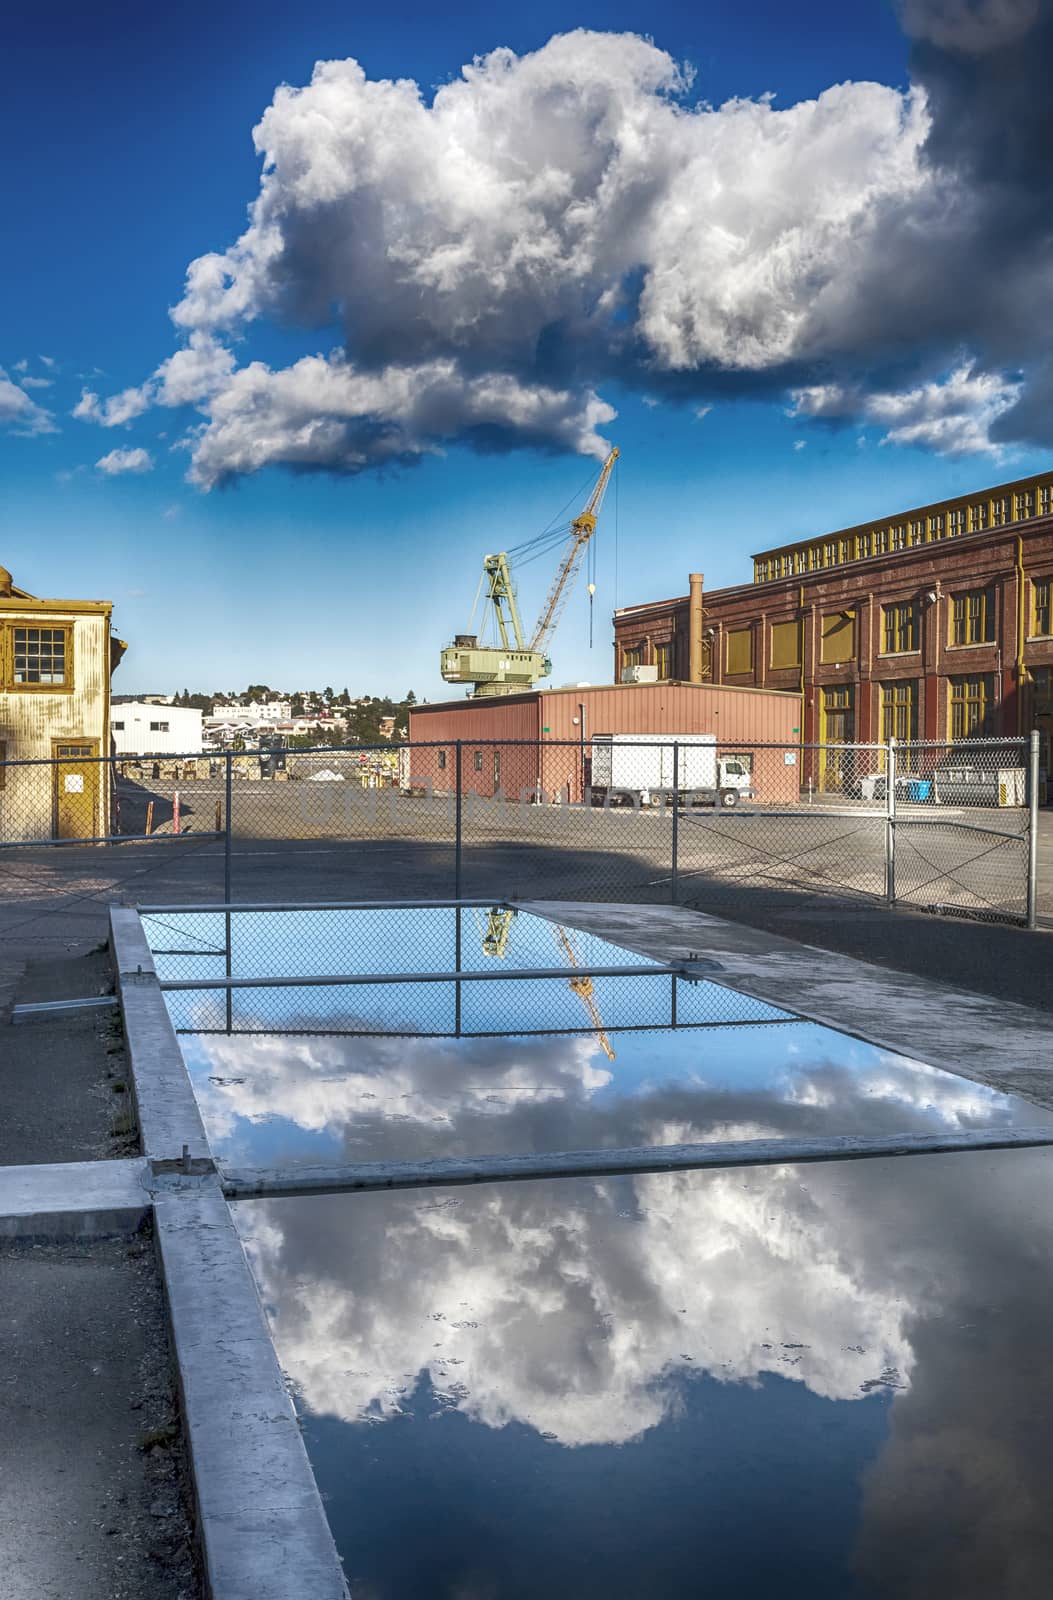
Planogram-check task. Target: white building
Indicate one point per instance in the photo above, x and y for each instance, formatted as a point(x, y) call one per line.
point(140, 728)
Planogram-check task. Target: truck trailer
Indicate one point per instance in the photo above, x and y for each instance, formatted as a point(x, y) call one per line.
point(638, 768)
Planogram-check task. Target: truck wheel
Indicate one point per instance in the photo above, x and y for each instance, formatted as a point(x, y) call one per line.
point(729, 797)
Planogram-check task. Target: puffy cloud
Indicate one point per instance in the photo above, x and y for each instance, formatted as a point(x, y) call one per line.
point(120, 408)
point(550, 223)
point(19, 411)
point(118, 461)
point(954, 416)
point(324, 413)
point(971, 26)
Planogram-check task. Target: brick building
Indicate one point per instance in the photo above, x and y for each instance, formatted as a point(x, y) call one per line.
point(934, 623)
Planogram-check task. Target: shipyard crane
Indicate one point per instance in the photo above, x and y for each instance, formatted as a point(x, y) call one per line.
point(495, 943)
point(516, 663)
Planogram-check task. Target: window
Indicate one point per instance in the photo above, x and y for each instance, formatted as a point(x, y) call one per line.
point(936, 526)
point(838, 638)
point(740, 651)
point(970, 705)
point(1040, 606)
point(838, 715)
point(815, 558)
point(956, 522)
point(442, 760)
point(863, 546)
point(663, 658)
point(785, 647)
point(800, 561)
point(899, 632)
point(1025, 504)
point(1045, 499)
point(760, 572)
point(830, 553)
point(972, 617)
point(159, 727)
point(899, 710)
point(787, 566)
point(898, 536)
point(916, 531)
point(477, 760)
point(978, 516)
point(1042, 678)
point(118, 727)
point(1000, 510)
point(39, 658)
point(632, 655)
point(880, 541)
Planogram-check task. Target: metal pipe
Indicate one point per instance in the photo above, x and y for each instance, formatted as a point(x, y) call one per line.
point(890, 824)
point(261, 1183)
point(694, 627)
point(458, 820)
point(342, 980)
point(674, 873)
point(227, 878)
point(1032, 831)
point(216, 906)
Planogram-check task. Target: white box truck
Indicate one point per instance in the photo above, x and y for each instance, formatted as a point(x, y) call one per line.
point(638, 768)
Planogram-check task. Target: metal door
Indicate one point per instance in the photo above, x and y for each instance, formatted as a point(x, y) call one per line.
point(76, 790)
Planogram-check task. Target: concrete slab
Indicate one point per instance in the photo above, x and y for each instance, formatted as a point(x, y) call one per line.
point(73, 1199)
point(1005, 1045)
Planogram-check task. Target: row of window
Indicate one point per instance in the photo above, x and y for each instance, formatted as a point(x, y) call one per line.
point(970, 620)
point(925, 528)
point(155, 727)
point(971, 706)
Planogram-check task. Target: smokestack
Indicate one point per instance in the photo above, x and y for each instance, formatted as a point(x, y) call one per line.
point(5, 584)
point(694, 629)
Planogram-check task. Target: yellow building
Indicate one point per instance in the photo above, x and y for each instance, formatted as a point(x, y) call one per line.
point(56, 659)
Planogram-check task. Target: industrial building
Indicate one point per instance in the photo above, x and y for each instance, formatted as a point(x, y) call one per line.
point(541, 742)
point(143, 728)
point(933, 623)
point(56, 660)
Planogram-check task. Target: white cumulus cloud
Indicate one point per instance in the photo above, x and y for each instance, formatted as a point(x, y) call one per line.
point(953, 415)
point(484, 263)
point(19, 411)
point(118, 461)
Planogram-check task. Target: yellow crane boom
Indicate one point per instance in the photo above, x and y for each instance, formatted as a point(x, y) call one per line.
point(581, 531)
point(583, 988)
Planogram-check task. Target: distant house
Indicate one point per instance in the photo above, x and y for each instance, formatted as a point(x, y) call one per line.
point(56, 661)
point(146, 728)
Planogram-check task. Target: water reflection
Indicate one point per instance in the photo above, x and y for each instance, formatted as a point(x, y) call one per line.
point(268, 1098)
point(826, 1381)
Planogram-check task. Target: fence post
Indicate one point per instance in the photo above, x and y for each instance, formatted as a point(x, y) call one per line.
point(457, 822)
point(890, 823)
point(1032, 831)
point(674, 883)
point(227, 842)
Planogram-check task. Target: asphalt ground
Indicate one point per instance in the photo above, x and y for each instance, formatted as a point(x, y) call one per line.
point(815, 875)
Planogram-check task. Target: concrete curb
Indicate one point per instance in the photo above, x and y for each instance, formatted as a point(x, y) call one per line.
point(261, 1523)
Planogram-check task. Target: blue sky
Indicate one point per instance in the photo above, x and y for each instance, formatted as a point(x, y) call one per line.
point(135, 158)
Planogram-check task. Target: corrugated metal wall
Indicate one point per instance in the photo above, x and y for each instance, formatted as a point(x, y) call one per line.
point(739, 718)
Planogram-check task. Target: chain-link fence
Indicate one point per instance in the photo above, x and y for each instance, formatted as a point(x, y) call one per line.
point(630, 817)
